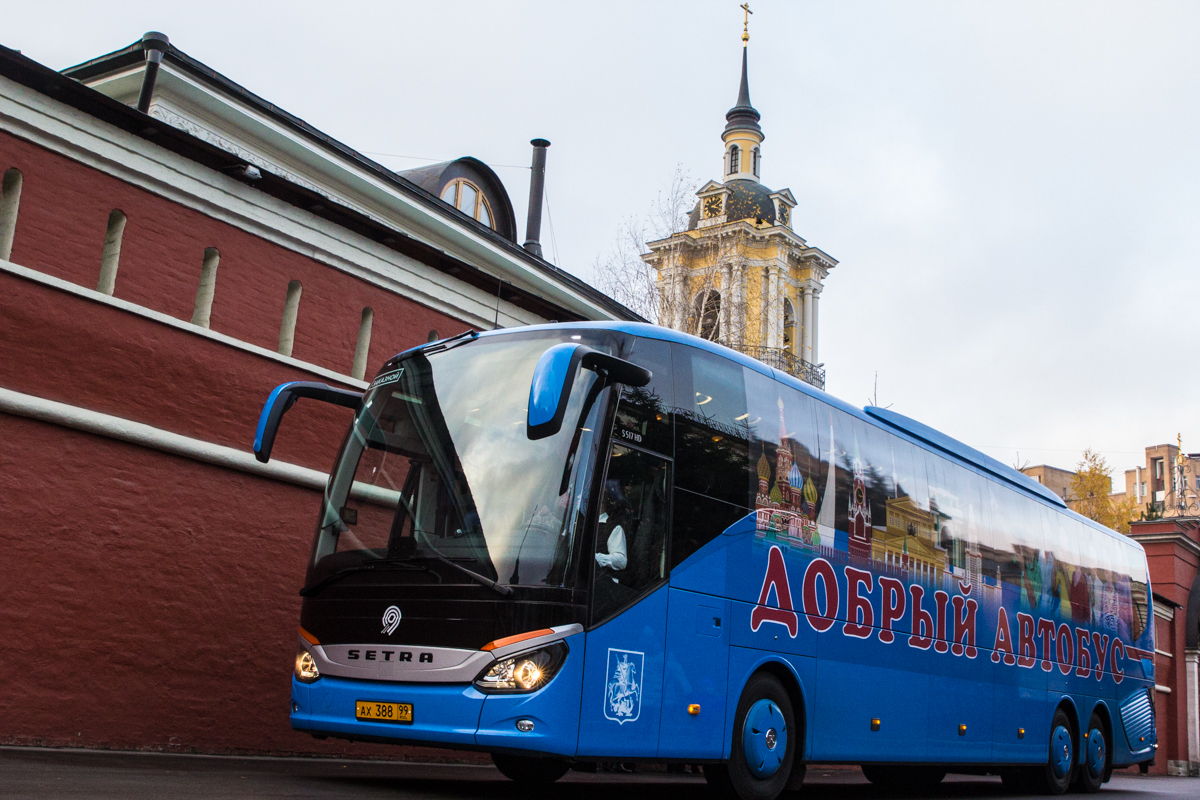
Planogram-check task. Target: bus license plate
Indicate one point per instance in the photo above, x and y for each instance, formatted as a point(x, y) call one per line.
point(375, 711)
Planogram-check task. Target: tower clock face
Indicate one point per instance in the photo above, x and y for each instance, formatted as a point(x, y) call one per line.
point(712, 206)
point(783, 214)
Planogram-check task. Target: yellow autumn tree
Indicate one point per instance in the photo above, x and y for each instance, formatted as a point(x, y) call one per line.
point(1091, 490)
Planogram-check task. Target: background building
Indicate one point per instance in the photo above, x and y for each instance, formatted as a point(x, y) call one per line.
point(1167, 485)
point(1055, 479)
point(160, 273)
point(739, 274)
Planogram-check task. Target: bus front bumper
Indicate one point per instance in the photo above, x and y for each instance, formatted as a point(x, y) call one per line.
point(448, 715)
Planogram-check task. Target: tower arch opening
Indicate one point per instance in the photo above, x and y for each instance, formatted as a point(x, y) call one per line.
point(706, 315)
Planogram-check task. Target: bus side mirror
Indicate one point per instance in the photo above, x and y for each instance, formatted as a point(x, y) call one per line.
point(555, 374)
point(284, 397)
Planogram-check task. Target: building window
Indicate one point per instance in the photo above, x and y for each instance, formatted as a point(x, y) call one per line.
point(466, 197)
point(789, 324)
point(735, 159)
point(110, 255)
point(754, 160)
point(358, 367)
point(10, 198)
point(291, 309)
point(202, 310)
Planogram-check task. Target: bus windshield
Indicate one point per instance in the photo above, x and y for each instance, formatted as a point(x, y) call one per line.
point(437, 466)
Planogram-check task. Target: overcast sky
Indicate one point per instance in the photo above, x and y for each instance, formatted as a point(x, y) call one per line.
point(1012, 189)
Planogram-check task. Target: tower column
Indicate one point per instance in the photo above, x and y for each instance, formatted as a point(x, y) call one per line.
point(806, 350)
point(773, 324)
point(681, 298)
point(798, 323)
point(726, 283)
point(737, 304)
point(816, 324)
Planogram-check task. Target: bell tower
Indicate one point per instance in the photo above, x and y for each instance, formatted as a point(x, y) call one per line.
point(739, 274)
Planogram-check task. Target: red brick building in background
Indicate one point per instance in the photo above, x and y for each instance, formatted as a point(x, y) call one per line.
point(160, 272)
point(1173, 552)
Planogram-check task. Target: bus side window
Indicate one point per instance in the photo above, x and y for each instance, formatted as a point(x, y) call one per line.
point(631, 537)
point(644, 413)
point(712, 452)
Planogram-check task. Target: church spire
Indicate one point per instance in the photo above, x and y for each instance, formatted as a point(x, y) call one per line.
point(743, 116)
point(742, 135)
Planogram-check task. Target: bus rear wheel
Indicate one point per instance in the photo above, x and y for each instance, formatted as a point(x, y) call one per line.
point(530, 771)
point(903, 778)
point(1090, 775)
point(764, 744)
point(1055, 776)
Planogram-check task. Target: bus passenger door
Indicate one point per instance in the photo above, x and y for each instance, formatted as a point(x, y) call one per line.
point(623, 666)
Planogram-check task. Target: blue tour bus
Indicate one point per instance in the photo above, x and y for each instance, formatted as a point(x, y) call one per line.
point(596, 542)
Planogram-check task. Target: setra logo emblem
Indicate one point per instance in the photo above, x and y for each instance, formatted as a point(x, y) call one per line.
point(623, 694)
point(391, 618)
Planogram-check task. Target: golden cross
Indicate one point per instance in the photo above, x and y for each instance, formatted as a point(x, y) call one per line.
point(746, 23)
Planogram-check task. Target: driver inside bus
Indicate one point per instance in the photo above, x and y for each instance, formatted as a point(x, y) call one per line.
point(614, 518)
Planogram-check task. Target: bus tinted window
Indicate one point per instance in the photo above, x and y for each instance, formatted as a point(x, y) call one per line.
point(1018, 539)
point(1062, 535)
point(1139, 590)
point(644, 413)
point(711, 436)
point(696, 520)
point(908, 534)
point(835, 438)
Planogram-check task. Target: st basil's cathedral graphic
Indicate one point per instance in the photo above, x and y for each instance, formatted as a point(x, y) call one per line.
point(786, 507)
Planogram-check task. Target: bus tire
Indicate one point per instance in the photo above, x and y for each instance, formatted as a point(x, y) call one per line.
point(1090, 775)
point(1055, 776)
point(905, 778)
point(530, 770)
point(764, 743)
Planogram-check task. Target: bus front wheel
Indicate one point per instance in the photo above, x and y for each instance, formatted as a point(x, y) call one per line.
point(764, 744)
point(529, 771)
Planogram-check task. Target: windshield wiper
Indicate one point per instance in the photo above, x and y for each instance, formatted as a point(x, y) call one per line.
point(499, 588)
point(316, 588)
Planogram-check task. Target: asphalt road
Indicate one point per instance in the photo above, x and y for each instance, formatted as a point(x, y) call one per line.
point(44, 773)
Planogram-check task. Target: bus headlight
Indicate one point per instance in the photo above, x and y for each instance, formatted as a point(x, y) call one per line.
point(306, 668)
point(524, 672)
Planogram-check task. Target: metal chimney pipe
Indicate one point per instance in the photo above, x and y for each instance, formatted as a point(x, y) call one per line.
point(155, 44)
point(537, 186)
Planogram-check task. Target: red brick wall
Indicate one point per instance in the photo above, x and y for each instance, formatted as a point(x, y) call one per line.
point(150, 601)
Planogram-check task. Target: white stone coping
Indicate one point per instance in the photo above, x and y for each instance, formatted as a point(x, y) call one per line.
point(30, 406)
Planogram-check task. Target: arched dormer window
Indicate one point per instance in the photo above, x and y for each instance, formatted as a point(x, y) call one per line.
point(734, 159)
point(754, 161)
point(466, 197)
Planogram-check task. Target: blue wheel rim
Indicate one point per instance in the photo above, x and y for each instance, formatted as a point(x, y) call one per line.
point(764, 738)
point(1061, 751)
point(1096, 753)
